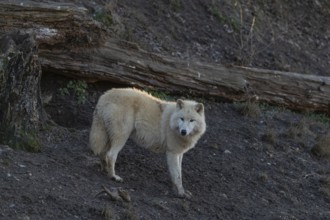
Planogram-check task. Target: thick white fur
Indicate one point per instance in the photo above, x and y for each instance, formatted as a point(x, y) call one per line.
point(169, 127)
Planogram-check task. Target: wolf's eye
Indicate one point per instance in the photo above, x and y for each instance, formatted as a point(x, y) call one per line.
point(192, 120)
point(182, 119)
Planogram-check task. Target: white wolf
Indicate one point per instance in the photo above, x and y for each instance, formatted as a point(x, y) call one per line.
point(161, 126)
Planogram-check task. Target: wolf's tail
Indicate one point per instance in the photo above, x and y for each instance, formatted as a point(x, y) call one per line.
point(98, 138)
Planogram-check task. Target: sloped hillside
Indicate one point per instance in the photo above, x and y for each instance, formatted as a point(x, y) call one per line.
point(282, 35)
point(254, 162)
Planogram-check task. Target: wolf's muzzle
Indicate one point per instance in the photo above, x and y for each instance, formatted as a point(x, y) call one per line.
point(183, 132)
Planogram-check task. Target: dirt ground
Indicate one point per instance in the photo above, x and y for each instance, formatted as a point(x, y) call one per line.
point(254, 162)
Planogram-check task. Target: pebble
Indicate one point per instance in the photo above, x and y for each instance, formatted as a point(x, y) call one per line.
point(4, 149)
point(227, 152)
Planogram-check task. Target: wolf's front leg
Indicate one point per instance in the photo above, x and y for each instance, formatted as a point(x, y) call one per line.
point(174, 165)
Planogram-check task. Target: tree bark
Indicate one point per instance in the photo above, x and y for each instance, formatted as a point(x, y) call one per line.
point(73, 44)
point(21, 112)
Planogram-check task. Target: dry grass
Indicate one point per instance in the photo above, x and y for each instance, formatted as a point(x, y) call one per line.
point(299, 129)
point(300, 132)
point(322, 147)
point(325, 191)
point(108, 213)
point(249, 108)
point(130, 212)
point(263, 177)
point(325, 185)
point(325, 181)
point(270, 137)
point(186, 205)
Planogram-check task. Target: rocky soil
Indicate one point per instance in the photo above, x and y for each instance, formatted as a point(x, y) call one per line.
point(254, 162)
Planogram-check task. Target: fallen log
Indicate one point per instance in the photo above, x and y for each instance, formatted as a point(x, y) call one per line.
point(118, 62)
point(93, 56)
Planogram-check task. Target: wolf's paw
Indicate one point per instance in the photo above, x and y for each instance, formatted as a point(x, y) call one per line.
point(117, 178)
point(185, 194)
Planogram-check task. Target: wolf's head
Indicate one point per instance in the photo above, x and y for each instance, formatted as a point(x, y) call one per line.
point(188, 118)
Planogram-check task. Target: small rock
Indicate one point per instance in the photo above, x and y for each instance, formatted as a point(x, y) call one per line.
point(224, 196)
point(227, 152)
point(4, 149)
point(23, 217)
point(264, 201)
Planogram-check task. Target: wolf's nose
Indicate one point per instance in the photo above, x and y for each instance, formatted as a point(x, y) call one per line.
point(183, 132)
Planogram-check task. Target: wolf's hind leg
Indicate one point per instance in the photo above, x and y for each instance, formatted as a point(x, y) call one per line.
point(111, 155)
point(119, 124)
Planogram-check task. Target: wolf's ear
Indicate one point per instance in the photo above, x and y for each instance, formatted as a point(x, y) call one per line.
point(199, 108)
point(179, 103)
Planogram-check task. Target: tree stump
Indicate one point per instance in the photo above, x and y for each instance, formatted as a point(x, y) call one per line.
point(21, 112)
